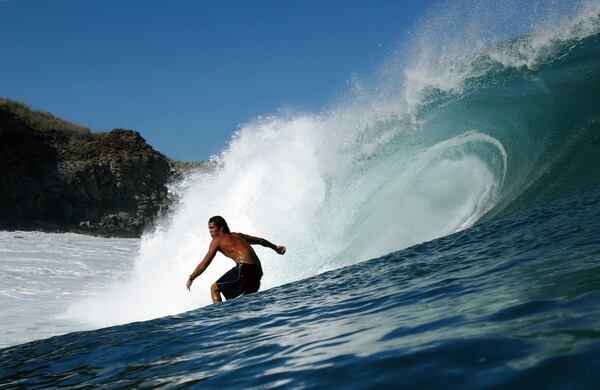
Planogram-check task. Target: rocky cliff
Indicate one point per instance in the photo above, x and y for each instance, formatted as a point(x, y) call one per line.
point(111, 184)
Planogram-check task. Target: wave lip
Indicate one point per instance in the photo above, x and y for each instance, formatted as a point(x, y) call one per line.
point(468, 40)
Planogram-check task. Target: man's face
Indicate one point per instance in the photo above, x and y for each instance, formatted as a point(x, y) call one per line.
point(212, 229)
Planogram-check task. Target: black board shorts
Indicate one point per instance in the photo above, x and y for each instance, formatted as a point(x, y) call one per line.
point(241, 279)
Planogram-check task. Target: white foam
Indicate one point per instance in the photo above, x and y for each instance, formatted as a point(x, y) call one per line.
point(44, 273)
point(280, 180)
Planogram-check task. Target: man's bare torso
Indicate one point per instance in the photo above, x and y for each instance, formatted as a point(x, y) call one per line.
point(235, 246)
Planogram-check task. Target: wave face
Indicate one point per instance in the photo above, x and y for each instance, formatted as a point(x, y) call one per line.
point(512, 303)
point(468, 122)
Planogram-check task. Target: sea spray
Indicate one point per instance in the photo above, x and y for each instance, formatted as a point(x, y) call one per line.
point(279, 180)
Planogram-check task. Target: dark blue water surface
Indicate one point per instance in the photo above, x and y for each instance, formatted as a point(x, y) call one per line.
point(512, 302)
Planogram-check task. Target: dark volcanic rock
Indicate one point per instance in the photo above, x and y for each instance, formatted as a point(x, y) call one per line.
point(106, 183)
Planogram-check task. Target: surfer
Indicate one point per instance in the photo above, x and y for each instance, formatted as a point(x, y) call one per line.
point(245, 277)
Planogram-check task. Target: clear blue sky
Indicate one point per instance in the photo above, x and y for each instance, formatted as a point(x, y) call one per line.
point(185, 74)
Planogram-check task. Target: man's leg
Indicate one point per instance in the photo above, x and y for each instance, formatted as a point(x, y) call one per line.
point(215, 294)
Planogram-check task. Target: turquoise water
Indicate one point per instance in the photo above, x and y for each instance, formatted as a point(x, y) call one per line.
point(493, 191)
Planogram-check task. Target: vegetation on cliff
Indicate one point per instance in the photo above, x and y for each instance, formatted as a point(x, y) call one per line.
point(42, 121)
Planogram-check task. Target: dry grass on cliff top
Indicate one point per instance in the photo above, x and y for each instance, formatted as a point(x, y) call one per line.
point(43, 121)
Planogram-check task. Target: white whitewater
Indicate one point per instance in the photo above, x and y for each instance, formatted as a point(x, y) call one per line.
point(44, 273)
point(305, 182)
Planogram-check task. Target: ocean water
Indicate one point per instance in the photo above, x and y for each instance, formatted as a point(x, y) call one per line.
point(513, 302)
point(442, 226)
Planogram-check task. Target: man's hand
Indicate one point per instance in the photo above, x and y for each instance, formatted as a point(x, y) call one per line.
point(280, 249)
point(189, 283)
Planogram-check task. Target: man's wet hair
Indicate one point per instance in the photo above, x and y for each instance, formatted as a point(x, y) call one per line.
point(220, 223)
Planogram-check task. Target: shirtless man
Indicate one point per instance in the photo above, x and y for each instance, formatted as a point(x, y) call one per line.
point(245, 277)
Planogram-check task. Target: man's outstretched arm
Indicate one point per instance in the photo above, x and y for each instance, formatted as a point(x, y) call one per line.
point(201, 267)
point(261, 241)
